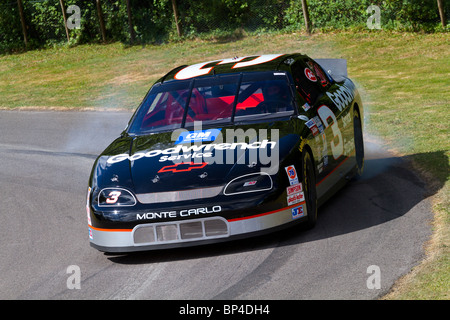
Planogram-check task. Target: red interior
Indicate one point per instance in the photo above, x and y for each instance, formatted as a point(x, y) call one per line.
point(202, 109)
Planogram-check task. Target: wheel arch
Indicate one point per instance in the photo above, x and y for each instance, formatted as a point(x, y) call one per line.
point(308, 149)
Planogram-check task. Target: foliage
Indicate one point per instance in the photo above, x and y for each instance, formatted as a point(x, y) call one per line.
point(153, 20)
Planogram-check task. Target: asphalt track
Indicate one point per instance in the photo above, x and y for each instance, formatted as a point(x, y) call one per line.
point(380, 220)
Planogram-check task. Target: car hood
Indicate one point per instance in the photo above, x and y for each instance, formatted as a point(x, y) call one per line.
point(172, 161)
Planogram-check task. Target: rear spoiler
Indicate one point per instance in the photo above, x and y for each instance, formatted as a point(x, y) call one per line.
point(334, 67)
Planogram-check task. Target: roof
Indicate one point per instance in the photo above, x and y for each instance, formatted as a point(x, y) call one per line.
point(266, 62)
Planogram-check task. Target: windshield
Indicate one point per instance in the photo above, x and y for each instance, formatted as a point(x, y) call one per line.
point(213, 100)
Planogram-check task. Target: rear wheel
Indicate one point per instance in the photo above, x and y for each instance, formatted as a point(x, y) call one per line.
point(309, 189)
point(359, 142)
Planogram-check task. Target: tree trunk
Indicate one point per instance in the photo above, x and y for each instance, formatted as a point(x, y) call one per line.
point(63, 8)
point(100, 19)
point(306, 16)
point(175, 13)
point(441, 12)
point(130, 22)
point(22, 20)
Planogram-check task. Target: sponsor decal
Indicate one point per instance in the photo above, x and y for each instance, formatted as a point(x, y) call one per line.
point(311, 124)
point(318, 124)
point(310, 75)
point(320, 167)
point(349, 146)
point(191, 152)
point(324, 150)
point(183, 167)
point(302, 144)
point(306, 106)
point(294, 189)
point(295, 198)
point(181, 213)
point(289, 61)
point(342, 96)
point(249, 183)
point(292, 175)
point(325, 160)
point(346, 120)
point(198, 136)
point(297, 212)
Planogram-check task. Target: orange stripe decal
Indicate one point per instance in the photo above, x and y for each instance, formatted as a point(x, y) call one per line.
point(111, 230)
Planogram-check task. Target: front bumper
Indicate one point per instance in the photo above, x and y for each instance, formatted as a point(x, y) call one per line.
point(182, 233)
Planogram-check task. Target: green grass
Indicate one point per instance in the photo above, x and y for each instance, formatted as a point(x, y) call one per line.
point(403, 79)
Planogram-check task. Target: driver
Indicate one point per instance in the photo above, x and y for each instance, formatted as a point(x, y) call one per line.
point(275, 97)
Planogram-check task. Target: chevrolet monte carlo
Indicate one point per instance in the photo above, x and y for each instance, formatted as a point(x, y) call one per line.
point(227, 149)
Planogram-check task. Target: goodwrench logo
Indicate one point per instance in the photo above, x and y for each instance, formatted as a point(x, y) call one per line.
point(239, 147)
point(191, 152)
point(343, 96)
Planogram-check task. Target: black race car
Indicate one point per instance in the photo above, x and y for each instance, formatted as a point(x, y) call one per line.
point(227, 149)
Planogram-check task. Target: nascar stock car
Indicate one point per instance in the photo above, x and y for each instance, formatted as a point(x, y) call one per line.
point(227, 149)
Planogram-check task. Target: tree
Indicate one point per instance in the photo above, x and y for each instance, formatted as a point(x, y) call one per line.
point(306, 16)
point(441, 12)
point(22, 20)
point(63, 9)
point(175, 14)
point(100, 19)
point(130, 22)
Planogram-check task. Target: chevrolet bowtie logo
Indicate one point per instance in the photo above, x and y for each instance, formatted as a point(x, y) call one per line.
point(183, 166)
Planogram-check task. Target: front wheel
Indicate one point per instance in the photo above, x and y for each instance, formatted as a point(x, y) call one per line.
point(309, 189)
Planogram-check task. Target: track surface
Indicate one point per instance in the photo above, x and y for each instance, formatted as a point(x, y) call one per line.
point(382, 219)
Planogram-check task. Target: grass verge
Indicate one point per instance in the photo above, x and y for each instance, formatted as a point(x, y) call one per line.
point(403, 78)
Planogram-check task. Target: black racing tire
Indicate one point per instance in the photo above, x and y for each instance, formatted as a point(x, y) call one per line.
point(309, 189)
point(359, 143)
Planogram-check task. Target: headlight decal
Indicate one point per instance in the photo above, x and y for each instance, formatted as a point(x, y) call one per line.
point(116, 197)
point(252, 182)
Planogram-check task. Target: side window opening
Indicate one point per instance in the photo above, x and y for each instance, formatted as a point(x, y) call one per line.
point(305, 82)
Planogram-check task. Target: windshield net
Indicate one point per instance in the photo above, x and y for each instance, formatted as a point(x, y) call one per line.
point(218, 99)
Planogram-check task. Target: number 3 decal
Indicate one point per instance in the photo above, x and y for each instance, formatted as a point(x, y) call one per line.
point(198, 70)
point(113, 197)
point(325, 113)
